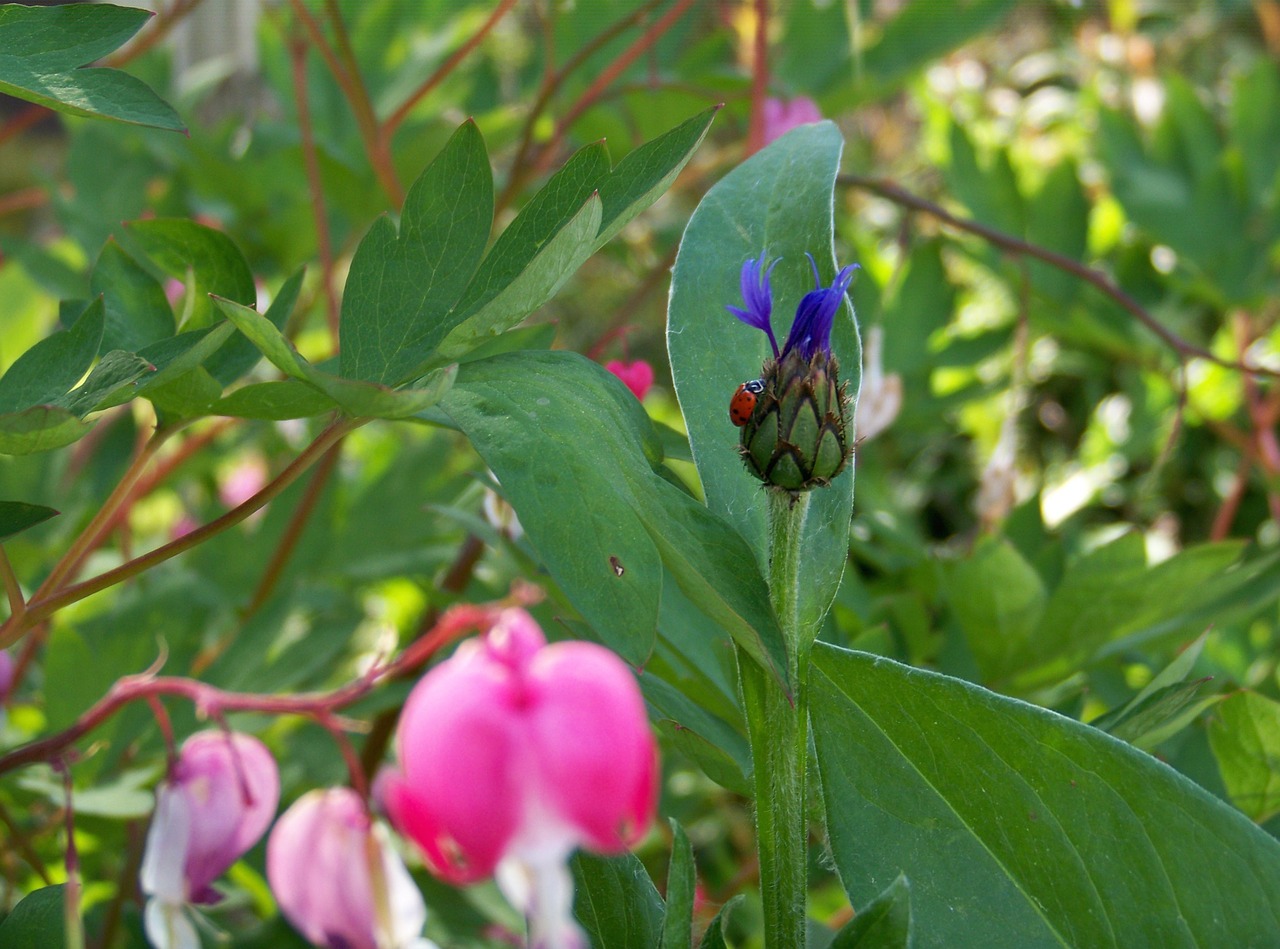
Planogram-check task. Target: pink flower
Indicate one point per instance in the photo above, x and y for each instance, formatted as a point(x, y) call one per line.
point(636, 376)
point(512, 754)
point(217, 802)
point(242, 482)
point(781, 115)
point(337, 878)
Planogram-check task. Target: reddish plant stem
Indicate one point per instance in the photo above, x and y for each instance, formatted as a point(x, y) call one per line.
point(310, 161)
point(1226, 514)
point(606, 77)
point(40, 608)
point(293, 531)
point(520, 169)
point(1017, 246)
point(393, 122)
point(759, 78)
point(155, 30)
point(22, 121)
point(347, 76)
point(23, 199)
point(12, 588)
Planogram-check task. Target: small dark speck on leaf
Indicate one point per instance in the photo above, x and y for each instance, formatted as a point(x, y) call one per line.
point(616, 564)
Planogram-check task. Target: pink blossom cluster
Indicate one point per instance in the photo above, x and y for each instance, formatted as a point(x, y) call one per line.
point(512, 754)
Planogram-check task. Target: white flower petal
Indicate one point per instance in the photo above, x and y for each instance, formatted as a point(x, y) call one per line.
point(168, 927)
point(407, 911)
point(165, 856)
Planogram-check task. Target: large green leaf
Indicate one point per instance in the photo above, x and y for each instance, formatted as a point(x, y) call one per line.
point(401, 287)
point(1018, 827)
point(42, 48)
point(616, 902)
point(40, 428)
point(780, 201)
point(575, 454)
point(138, 312)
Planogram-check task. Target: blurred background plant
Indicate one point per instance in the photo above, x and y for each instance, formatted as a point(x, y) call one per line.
point(1068, 221)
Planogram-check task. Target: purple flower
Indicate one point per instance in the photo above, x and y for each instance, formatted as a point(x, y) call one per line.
point(782, 115)
point(811, 328)
point(6, 675)
point(758, 297)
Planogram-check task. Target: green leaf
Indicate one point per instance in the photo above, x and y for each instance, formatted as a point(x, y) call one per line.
point(358, 399)
point(45, 372)
point(990, 192)
point(1245, 738)
point(575, 453)
point(884, 923)
point(779, 201)
point(37, 922)
point(998, 599)
point(138, 312)
point(284, 399)
point(41, 49)
point(17, 516)
point(1058, 218)
point(714, 937)
point(42, 428)
point(1255, 127)
point(1021, 828)
point(400, 289)
point(560, 228)
point(682, 878)
point(111, 383)
point(1166, 705)
point(209, 263)
point(616, 902)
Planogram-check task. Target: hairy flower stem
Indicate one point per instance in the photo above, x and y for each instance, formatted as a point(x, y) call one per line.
point(778, 731)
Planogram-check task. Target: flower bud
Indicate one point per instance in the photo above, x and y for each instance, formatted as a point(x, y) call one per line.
point(797, 436)
point(512, 754)
point(217, 802)
point(337, 878)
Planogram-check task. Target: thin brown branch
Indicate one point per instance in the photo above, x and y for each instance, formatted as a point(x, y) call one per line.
point(552, 81)
point(1017, 246)
point(398, 116)
point(607, 76)
point(12, 588)
point(23, 846)
point(311, 162)
point(155, 30)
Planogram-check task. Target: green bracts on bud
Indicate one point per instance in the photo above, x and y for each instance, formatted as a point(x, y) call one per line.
point(797, 436)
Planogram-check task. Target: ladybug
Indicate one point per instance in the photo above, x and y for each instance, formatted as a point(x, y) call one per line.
point(743, 402)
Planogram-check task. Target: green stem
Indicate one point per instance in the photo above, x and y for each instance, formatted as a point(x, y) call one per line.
point(778, 730)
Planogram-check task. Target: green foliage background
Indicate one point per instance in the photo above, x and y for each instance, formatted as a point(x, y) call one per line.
point(1054, 721)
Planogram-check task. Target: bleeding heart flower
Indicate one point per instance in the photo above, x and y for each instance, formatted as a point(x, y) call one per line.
point(513, 753)
point(218, 800)
point(337, 878)
point(636, 376)
point(782, 115)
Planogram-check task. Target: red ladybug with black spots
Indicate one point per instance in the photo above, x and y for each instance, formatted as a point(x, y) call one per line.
point(743, 402)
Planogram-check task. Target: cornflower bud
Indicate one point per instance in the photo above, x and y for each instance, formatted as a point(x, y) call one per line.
point(513, 753)
point(217, 801)
point(337, 878)
point(796, 435)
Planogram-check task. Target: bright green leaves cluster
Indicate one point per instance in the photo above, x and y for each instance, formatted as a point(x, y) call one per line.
point(42, 48)
point(1208, 189)
point(1017, 827)
point(780, 201)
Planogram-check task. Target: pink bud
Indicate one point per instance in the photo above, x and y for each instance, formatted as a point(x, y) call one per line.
point(217, 802)
point(781, 115)
point(337, 878)
point(512, 754)
point(636, 376)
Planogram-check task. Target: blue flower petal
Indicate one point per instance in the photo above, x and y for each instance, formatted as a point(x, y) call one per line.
point(811, 330)
point(758, 297)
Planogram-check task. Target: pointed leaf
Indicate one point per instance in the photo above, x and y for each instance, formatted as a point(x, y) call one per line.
point(682, 879)
point(401, 288)
point(41, 428)
point(1245, 738)
point(1021, 828)
point(41, 49)
point(884, 923)
point(17, 516)
point(616, 902)
point(138, 312)
point(38, 921)
point(45, 372)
